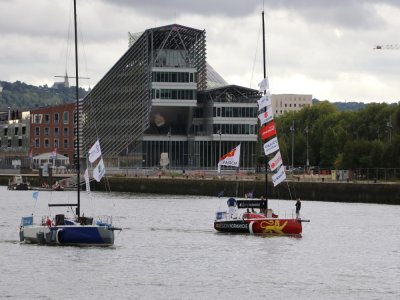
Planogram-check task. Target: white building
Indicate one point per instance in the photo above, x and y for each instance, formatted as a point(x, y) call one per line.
point(283, 103)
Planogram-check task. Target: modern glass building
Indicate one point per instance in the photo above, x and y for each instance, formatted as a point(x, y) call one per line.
point(162, 97)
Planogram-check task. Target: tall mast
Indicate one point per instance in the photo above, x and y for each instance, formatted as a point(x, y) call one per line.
point(265, 76)
point(78, 167)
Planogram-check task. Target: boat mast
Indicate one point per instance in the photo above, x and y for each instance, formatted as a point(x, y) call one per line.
point(265, 76)
point(78, 168)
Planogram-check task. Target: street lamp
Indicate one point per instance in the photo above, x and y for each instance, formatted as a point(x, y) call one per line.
point(292, 130)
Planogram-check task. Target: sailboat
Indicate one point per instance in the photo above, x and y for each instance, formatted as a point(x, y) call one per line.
point(254, 216)
point(79, 230)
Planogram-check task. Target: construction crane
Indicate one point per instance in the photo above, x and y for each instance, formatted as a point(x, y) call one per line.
point(389, 47)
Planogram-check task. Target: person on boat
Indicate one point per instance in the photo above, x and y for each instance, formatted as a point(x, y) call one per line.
point(263, 205)
point(232, 207)
point(298, 207)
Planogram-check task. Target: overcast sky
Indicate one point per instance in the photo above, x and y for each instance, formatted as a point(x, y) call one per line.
point(318, 47)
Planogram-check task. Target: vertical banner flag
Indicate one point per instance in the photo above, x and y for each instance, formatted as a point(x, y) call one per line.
point(95, 152)
point(232, 158)
point(99, 171)
point(275, 162)
point(271, 146)
point(263, 85)
point(87, 181)
point(264, 101)
point(267, 131)
point(279, 176)
point(265, 117)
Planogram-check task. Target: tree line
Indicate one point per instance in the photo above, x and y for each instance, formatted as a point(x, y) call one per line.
point(22, 96)
point(368, 138)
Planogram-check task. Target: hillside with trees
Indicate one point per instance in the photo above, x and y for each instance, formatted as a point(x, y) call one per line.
point(19, 95)
point(368, 138)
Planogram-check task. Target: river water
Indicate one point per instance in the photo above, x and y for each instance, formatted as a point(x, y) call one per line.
point(168, 249)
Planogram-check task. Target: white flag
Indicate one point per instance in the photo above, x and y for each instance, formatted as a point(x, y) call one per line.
point(276, 161)
point(279, 176)
point(99, 171)
point(263, 85)
point(271, 146)
point(267, 116)
point(232, 158)
point(264, 102)
point(87, 181)
point(95, 152)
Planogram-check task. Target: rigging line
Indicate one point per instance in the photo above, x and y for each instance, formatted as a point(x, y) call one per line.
point(255, 55)
point(84, 55)
point(68, 52)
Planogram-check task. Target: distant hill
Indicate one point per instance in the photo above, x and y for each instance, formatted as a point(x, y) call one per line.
point(22, 96)
point(341, 106)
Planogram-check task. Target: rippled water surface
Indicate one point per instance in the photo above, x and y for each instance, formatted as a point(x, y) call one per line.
point(168, 249)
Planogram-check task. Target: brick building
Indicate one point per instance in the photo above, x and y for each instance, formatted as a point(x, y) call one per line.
point(53, 128)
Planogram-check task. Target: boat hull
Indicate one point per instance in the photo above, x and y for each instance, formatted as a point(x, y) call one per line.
point(70, 235)
point(260, 226)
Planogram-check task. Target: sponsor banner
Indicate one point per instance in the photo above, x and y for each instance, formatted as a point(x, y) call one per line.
point(279, 176)
point(276, 161)
point(95, 152)
point(232, 159)
point(268, 131)
point(99, 171)
point(264, 101)
point(266, 117)
point(271, 146)
point(263, 85)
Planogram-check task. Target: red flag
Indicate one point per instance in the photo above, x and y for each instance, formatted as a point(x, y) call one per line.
point(268, 131)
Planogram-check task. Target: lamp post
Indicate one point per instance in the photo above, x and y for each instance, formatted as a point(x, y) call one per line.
point(307, 161)
point(292, 130)
point(220, 133)
point(389, 125)
point(169, 147)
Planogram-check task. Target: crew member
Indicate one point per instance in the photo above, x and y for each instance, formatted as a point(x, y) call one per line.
point(232, 207)
point(298, 207)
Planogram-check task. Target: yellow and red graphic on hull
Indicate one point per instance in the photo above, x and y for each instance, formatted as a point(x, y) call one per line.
point(280, 226)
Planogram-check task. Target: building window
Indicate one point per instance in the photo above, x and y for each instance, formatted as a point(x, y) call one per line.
point(66, 117)
point(56, 143)
point(9, 143)
point(23, 130)
point(46, 118)
point(65, 132)
point(65, 143)
point(46, 143)
point(37, 130)
point(56, 131)
point(37, 143)
point(19, 142)
point(5, 131)
point(46, 131)
point(37, 119)
point(56, 118)
point(16, 129)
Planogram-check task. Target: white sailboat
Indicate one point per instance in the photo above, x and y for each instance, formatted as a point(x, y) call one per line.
point(78, 230)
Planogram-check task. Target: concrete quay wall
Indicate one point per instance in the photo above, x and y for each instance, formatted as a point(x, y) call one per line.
point(381, 193)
